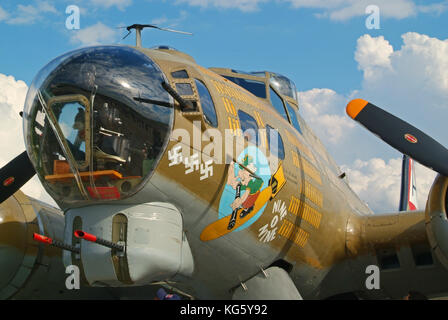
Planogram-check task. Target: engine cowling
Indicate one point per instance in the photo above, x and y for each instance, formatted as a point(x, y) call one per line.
point(29, 270)
point(25, 265)
point(436, 219)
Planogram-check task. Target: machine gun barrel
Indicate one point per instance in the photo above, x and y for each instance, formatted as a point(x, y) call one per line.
point(55, 243)
point(92, 238)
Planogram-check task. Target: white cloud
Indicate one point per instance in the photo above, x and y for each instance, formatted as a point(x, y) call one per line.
point(340, 10)
point(171, 22)
point(30, 14)
point(324, 111)
point(93, 35)
point(243, 5)
point(436, 8)
point(410, 82)
point(120, 4)
point(159, 21)
point(12, 98)
point(3, 14)
point(378, 182)
point(372, 54)
point(422, 60)
point(336, 10)
point(45, 6)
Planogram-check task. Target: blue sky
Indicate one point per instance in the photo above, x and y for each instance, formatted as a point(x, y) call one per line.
point(323, 46)
point(313, 51)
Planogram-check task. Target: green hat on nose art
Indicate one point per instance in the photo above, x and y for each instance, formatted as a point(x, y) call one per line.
point(246, 161)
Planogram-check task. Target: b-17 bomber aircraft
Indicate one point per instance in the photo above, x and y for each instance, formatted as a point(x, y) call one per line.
point(207, 181)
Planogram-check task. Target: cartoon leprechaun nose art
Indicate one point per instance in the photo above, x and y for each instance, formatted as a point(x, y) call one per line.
point(249, 188)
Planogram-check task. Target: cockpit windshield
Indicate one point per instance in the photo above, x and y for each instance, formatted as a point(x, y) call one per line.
point(257, 88)
point(283, 85)
point(96, 123)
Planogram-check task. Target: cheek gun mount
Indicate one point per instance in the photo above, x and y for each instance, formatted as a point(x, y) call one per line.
point(147, 239)
point(118, 247)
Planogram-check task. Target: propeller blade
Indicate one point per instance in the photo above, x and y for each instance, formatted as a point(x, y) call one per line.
point(400, 135)
point(14, 175)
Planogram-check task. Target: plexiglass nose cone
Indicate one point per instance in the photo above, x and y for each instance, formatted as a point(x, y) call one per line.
point(97, 121)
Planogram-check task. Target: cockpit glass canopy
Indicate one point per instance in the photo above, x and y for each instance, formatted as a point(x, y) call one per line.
point(96, 122)
point(283, 85)
point(257, 88)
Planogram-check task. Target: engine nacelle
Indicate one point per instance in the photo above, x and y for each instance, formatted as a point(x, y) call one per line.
point(29, 269)
point(436, 219)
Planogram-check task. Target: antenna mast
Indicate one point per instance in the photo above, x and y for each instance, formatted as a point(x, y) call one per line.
point(138, 32)
point(138, 37)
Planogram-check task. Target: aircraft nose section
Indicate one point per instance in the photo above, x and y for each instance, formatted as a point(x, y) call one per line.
point(13, 241)
point(97, 121)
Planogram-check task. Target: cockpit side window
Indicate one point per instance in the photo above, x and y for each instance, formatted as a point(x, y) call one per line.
point(69, 113)
point(208, 107)
point(275, 143)
point(249, 127)
point(293, 117)
point(277, 103)
point(181, 74)
point(257, 88)
point(184, 89)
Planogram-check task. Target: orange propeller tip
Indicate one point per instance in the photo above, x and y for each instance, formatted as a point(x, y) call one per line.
point(355, 106)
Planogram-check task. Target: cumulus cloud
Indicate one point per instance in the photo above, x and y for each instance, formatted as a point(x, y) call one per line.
point(12, 98)
point(410, 82)
point(335, 10)
point(340, 10)
point(30, 14)
point(378, 182)
point(373, 55)
point(3, 14)
point(324, 111)
point(419, 69)
point(93, 35)
point(434, 8)
point(243, 5)
point(171, 22)
point(120, 4)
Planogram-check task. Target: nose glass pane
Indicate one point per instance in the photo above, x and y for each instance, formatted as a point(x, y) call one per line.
point(71, 122)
